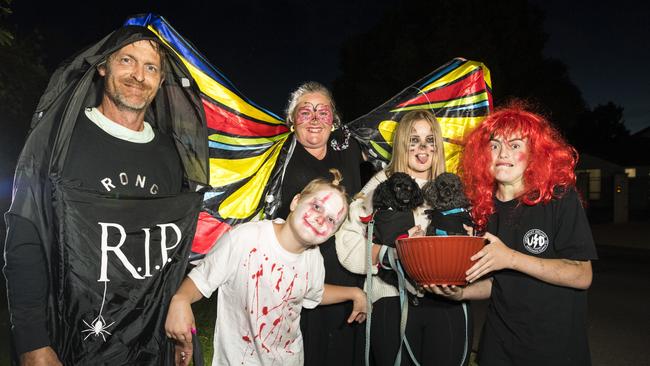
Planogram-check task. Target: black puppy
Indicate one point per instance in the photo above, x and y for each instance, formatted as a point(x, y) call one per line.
point(393, 202)
point(449, 206)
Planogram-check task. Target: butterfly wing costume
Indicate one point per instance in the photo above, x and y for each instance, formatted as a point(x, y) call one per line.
point(250, 146)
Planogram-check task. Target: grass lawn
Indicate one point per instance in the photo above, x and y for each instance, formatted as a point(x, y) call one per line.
point(205, 314)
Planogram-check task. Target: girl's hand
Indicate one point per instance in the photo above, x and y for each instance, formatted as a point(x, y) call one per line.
point(180, 327)
point(469, 230)
point(44, 356)
point(183, 353)
point(452, 292)
point(415, 231)
point(493, 257)
point(359, 306)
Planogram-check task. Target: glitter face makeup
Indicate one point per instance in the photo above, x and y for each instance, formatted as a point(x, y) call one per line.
point(320, 112)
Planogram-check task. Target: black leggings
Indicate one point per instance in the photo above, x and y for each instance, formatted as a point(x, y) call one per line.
point(438, 331)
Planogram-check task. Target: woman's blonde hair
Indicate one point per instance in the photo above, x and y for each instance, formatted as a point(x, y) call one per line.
point(401, 141)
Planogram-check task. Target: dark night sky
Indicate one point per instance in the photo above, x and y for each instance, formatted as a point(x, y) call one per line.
point(605, 45)
point(268, 47)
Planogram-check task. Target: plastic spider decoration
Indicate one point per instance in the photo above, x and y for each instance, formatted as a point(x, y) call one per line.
point(97, 328)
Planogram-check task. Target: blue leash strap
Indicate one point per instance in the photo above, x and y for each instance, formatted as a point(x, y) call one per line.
point(403, 301)
point(453, 211)
point(368, 286)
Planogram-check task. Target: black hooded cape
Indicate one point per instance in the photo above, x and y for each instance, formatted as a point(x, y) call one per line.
point(111, 264)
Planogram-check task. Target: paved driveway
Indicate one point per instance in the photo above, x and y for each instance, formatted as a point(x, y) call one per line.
point(619, 308)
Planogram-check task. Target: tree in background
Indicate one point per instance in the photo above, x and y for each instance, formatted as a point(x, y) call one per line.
point(601, 131)
point(5, 36)
point(22, 80)
point(415, 37)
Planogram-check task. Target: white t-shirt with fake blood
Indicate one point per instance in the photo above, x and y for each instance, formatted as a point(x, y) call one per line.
point(262, 289)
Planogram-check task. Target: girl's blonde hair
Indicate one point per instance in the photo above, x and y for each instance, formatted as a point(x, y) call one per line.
point(318, 183)
point(401, 141)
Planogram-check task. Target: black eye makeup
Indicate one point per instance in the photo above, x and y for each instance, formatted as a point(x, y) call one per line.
point(429, 141)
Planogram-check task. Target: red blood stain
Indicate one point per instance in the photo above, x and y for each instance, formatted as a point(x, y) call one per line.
point(246, 338)
point(276, 321)
point(277, 284)
point(265, 310)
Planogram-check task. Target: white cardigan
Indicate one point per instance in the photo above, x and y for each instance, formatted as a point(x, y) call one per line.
point(351, 238)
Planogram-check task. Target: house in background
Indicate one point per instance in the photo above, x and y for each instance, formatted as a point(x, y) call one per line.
point(617, 187)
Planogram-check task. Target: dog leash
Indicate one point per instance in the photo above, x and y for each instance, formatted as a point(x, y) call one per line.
point(403, 301)
point(453, 211)
point(371, 226)
point(401, 280)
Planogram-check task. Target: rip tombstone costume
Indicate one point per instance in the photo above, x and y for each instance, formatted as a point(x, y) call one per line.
point(89, 272)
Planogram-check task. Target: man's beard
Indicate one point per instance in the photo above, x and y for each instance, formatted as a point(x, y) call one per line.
point(124, 104)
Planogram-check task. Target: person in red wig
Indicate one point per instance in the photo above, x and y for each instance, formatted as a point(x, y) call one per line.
point(536, 267)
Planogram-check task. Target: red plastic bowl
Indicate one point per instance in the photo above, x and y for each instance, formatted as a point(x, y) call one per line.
point(438, 260)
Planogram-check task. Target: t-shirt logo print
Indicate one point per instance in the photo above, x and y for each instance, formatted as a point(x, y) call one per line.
point(535, 241)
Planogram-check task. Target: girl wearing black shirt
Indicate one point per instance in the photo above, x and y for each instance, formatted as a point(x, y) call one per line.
point(519, 176)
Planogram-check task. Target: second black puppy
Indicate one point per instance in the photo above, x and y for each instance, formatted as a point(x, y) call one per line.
point(393, 202)
point(449, 206)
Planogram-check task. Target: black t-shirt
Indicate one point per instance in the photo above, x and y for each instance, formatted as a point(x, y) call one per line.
point(101, 162)
point(535, 322)
point(302, 169)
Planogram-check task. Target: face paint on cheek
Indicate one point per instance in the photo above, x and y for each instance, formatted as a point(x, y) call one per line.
point(319, 212)
point(320, 112)
point(520, 157)
point(314, 218)
point(334, 204)
point(340, 214)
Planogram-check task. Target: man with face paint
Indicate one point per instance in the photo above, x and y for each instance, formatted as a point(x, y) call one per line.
point(266, 272)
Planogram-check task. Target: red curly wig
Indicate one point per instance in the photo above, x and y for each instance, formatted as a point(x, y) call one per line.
point(551, 160)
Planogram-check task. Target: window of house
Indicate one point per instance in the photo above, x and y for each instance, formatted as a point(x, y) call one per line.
point(631, 172)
